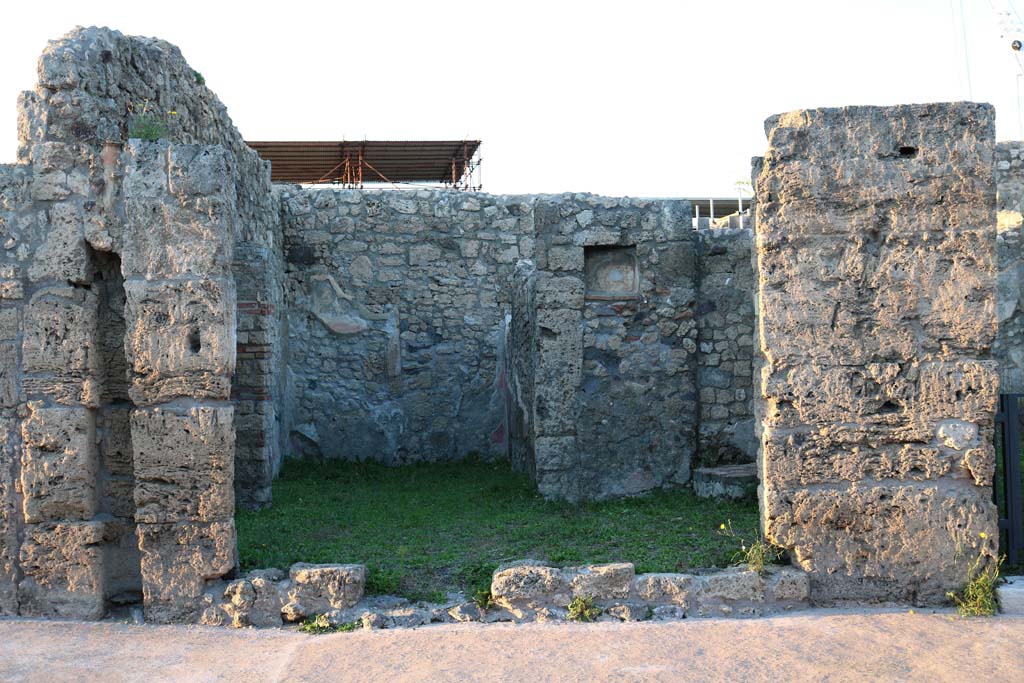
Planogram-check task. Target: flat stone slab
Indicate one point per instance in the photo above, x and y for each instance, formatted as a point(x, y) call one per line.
point(728, 481)
point(1011, 596)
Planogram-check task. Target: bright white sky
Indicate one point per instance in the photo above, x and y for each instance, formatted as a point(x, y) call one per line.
point(622, 98)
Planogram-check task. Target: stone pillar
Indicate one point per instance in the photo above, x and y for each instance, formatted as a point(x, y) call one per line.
point(876, 280)
point(61, 553)
point(180, 346)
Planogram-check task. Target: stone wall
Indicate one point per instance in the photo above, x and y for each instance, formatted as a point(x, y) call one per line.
point(725, 328)
point(614, 395)
point(397, 306)
point(876, 283)
point(399, 347)
point(1009, 345)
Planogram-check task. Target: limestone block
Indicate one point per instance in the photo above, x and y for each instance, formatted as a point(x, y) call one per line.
point(894, 394)
point(59, 464)
point(177, 561)
point(898, 283)
point(59, 333)
point(10, 394)
point(180, 339)
point(199, 170)
point(175, 237)
point(849, 453)
point(731, 585)
point(183, 464)
point(63, 255)
point(253, 601)
point(321, 587)
point(559, 292)
point(601, 581)
point(526, 580)
point(63, 570)
point(661, 588)
point(565, 258)
point(10, 323)
point(788, 584)
point(145, 175)
point(858, 541)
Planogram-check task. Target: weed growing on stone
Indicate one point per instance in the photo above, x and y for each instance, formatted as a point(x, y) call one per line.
point(755, 554)
point(978, 596)
point(319, 625)
point(582, 608)
point(483, 599)
point(430, 529)
point(199, 78)
point(146, 123)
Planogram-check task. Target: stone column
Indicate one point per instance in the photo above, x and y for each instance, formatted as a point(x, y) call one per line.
point(875, 252)
point(61, 554)
point(180, 345)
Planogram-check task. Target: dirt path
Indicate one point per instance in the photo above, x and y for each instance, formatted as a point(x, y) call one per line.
point(810, 646)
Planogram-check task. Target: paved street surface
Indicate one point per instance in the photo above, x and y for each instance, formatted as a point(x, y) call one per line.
point(811, 646)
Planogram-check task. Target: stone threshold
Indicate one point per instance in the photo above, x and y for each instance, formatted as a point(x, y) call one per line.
point(522, 592)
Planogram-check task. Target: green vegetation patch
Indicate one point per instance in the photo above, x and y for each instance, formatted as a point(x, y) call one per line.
point(424, 530)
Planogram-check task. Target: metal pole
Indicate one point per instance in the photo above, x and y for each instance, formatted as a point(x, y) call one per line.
point(740, 211)
point(712, 209)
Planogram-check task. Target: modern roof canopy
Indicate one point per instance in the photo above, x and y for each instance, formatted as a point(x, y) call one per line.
point(353, 163)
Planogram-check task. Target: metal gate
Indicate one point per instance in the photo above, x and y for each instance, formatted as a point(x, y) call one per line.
point(1007, 490)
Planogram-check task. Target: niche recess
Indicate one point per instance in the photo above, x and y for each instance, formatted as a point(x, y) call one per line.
point(611, 273)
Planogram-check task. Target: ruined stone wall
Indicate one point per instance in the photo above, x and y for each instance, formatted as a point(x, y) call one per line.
point(397, 305)
point(119, 310)
point(725, 329)
point(1009, 345)
point(876, 280)
point(614, 392)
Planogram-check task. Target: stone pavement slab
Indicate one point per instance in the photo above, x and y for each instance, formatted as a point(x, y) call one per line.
point(815, 645)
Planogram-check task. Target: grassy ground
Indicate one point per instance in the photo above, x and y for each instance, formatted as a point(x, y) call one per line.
point(426, 529)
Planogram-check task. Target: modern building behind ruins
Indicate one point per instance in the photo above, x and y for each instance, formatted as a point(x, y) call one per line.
point(173, 325)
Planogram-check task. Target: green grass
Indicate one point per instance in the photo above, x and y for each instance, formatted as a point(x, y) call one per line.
point(426, 529)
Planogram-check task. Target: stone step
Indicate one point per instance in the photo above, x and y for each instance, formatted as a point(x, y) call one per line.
point(1011, 596)
point(728, 481)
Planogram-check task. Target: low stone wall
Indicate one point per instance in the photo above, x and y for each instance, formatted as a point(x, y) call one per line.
point(524, 591)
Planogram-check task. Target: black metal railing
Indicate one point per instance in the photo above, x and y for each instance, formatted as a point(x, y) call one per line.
point(1007, 489)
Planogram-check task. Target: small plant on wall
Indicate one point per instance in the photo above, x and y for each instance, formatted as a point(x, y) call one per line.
point(147, 123)
point(977, 598)
point(582, 608)
point(756, 553)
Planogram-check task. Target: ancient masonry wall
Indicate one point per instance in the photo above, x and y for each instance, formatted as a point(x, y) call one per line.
point(876, 280)
point(397, 306)
point(725, 327)
point(118, 352)
point(1009, 345)
point(614, 391)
